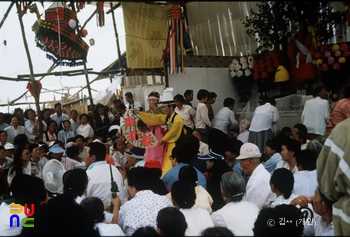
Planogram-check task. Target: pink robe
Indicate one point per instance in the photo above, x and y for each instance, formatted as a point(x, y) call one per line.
point(156, 152)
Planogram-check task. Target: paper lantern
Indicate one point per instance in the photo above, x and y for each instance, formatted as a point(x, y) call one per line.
point(38, 87)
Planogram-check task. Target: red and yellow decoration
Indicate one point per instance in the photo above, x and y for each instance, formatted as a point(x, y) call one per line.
point(59, 36)
point(136, 134)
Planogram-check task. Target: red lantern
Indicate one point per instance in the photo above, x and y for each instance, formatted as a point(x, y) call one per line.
point(38, 87)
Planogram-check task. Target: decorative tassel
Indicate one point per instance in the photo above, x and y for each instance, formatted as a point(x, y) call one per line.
point(22, 6)
point(80, 5)
point(100, 14)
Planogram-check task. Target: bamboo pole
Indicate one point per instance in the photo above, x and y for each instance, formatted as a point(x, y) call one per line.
point(117, 39)
point(6, 14)
point(88, 86)
point(35, 90)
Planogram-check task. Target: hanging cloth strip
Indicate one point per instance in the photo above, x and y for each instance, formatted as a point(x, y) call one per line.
point(100, 14)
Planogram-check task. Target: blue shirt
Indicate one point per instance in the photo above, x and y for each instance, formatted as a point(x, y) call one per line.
point(238, 168)
point(270, 164)
point(173, 175)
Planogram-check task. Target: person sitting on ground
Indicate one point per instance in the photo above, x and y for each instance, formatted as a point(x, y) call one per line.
point(269, 219)
point(289, 151)
point(180, 158)
point(183, 197)
point(217, 231)
point(100, 174)
point(203, 199)
point(95, 209)
point(300, 133)
point(142, 208)
point(145, 231)
point(258, 189)
point(23, 165)
point(273, 150)
point(322, 224)
point(25, 189)
point(305, 180)
point(243, 135)
point(282, 182)
point(216, 166)
point(171, 222)
point(237, 215)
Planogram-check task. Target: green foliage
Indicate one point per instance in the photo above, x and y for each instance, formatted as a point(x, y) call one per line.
point(274, 21)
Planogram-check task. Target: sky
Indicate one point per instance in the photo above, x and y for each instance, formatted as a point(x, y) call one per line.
point(13, 58)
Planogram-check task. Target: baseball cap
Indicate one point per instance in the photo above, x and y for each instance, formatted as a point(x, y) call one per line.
point(56, 149)
point(249, 150)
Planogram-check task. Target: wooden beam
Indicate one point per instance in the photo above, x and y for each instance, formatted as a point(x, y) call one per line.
point(26, 77)
point(113, 7)
point(6, 13)
point(35, 89)
point(87, 20)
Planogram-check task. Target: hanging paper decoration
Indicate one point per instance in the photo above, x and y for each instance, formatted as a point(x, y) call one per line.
point(59, 36)
point(79, 5)
point(137, 132)
point(100, 14)
point(175, 42)
point(38, 88)
point(22, 6)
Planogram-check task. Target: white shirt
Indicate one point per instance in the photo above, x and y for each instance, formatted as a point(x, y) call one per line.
point(188, 114)
point(305, 182)
point(281, 200)
point(258, 190)
point(224, 119)
point(29, 125)
point(203, 148)
point(318, 227)
point(197, 220)
point(5, 229)
point(243, 136)
point(100, 182)
point(85, 130)
point(74, 125)
point(202, 117)
point(136, 105)
point(284, 164)
point(141, 210)
point(315, 115)
point(109, 229)
point(239, 217)
point(264, 116)
point(59, 119)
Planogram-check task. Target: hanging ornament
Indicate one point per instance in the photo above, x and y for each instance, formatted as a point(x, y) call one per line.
point(79, 5)
point(22, 6)
point(100, 14)
point(31, 89)
point(56, 35)
point(72, 23)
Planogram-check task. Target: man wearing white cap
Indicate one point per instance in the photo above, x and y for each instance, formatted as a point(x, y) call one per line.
point(258, 189)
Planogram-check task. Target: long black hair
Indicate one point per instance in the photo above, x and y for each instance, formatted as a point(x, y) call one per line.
point(283, 180)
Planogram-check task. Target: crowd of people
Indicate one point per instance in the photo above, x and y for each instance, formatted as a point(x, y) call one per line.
point(207, 174)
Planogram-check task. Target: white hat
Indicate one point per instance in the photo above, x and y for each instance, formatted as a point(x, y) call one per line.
point(9, 146)
point(249, 150)
point(167, 97)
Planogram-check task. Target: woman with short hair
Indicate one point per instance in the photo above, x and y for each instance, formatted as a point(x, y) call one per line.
point(237, 215)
